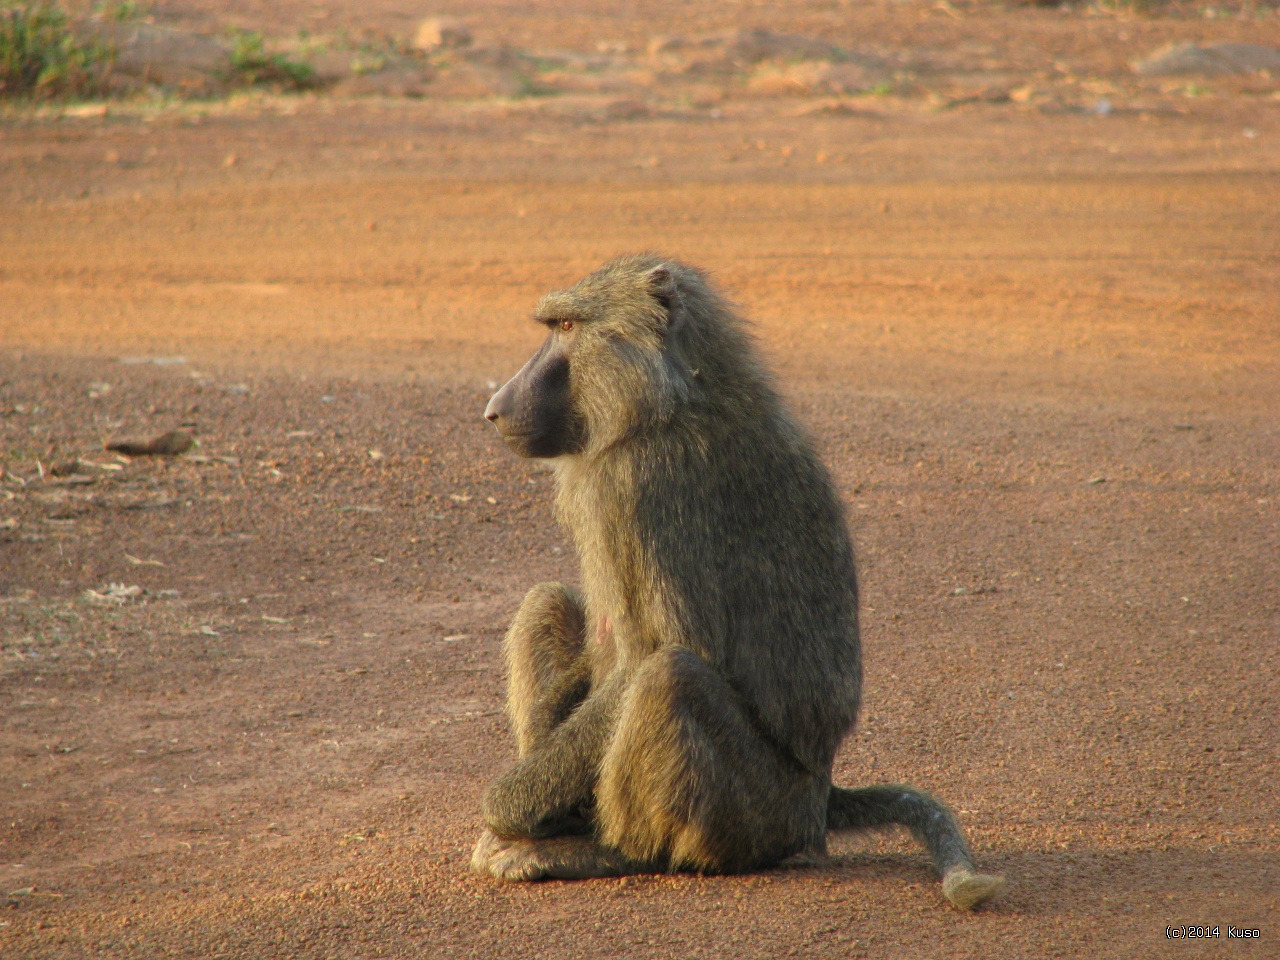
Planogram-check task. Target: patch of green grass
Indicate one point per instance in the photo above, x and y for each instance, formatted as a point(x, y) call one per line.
point(122, 11)
point(832, 54)
point(253, 64)
point(41, 57)
point(543, 64)
point(1129, 7)
point(363, 62)
point(527, 87)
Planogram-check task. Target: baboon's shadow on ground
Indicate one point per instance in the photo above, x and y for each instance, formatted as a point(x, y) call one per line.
point(1177, 885)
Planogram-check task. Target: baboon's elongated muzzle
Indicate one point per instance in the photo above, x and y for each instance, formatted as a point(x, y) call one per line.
point(533, 411)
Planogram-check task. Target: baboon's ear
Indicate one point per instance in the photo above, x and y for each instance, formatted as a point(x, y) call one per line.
point(663, 287)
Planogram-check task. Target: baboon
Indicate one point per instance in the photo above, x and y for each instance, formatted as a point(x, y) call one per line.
point(683, 710)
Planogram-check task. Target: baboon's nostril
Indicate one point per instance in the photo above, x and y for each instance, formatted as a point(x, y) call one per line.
point(493, 410)
point(499, 405)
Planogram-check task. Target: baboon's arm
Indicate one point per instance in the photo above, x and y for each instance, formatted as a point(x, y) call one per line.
point(537, 794)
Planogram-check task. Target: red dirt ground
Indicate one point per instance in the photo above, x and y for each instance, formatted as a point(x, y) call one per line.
point(1038, 346)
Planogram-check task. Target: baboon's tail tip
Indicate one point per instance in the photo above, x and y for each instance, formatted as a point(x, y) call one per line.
point(966, 889)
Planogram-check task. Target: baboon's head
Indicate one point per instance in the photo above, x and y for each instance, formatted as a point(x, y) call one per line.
point(618, 358)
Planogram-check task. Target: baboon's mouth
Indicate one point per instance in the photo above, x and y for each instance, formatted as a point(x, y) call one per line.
point(526, 443)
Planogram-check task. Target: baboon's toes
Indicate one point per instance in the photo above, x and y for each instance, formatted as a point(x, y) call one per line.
point(511, 860)
point(487, 847)
point(518, 862)
point(966, 889)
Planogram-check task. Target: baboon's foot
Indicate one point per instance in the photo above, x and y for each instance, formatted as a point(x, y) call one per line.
point(487, 847)
point(556, 858)
point(966, 889)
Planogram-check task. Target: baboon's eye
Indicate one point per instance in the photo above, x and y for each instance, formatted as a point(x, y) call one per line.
point(566, 325)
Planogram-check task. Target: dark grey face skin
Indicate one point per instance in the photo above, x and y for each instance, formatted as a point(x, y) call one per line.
point(534, 410)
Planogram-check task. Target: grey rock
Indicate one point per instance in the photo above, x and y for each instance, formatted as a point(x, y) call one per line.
point(393, 82)
point(745, 47)
point(332, 66)
point(1222, 59)
point(147, 54)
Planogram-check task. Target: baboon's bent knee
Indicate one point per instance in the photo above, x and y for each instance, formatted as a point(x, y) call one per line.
point(548, 610)
point(553, 597)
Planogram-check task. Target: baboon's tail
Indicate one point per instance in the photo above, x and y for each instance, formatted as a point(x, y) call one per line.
point(932, 823)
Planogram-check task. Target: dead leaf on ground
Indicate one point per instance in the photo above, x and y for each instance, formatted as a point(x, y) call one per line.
point(150, 504)
point(68, 467)
point(170, 444)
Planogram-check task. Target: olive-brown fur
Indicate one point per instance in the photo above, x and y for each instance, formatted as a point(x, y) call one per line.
point(683, 711)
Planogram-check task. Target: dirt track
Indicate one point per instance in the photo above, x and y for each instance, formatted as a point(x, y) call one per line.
point(1041, 353)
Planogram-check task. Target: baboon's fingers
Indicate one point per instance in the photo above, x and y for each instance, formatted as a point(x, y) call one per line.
point(966, 889)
